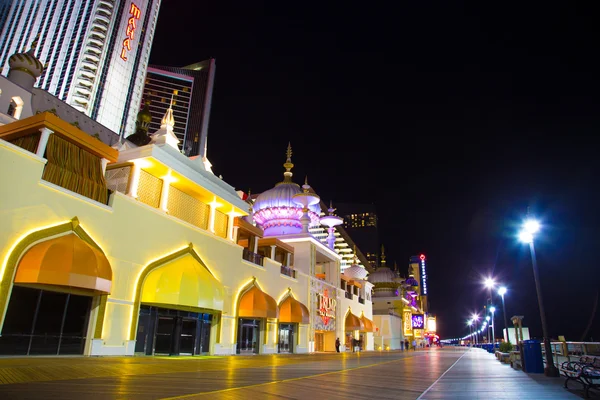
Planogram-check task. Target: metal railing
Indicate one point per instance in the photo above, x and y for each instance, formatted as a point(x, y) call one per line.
point(348, 295)
point(253, 257)
point(361, 300)
point(289, 271)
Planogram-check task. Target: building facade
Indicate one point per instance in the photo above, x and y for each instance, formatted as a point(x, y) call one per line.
point(95, 52)
point(142, 250)
point(361, 223)
point(191, 88)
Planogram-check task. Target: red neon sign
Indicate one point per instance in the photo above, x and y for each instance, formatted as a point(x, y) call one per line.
point(135, 13)
point(422, 256)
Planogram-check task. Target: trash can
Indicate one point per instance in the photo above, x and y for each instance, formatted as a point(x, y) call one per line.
point(532, 353)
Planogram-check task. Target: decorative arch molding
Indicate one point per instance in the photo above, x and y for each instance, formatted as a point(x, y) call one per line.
point(188, 250)
point(12, 262)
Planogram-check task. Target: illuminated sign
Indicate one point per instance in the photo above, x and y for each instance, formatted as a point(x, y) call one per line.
point(418, 322)
point(326, 307)
point(431, 324)
point(423, 276)
point(135, 13)
point(407, 323)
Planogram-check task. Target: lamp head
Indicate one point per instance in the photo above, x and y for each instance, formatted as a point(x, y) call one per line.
point(502, 291)
point(531, 226)
point(526, 237)
point(489, 283)
point(492, 309)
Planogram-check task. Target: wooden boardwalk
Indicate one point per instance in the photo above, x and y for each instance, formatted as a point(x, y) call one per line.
point(432, 374)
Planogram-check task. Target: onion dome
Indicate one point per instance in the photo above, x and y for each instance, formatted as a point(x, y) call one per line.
point(144, 117)
point(275, 209)
point(355, 271)
point(384, 280)
point(25, 67)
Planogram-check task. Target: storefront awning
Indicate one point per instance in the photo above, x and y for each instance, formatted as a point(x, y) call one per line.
point(291, 310)
point(66, 261)
point(183, 282)
point(257, 304)
point(353, 323)
point(369, 327)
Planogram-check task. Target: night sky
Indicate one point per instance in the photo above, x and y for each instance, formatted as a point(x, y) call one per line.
point(451, 118)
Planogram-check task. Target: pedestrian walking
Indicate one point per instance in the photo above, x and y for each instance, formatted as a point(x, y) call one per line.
point(337, 345)
point(406, 344)
point(414, 345)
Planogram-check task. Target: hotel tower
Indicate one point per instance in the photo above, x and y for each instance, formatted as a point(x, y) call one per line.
point(95, 52)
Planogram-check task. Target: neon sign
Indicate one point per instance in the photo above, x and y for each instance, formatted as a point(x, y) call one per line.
point(423, 275)
point(135, 13)
point(326, 307)
point(418, 322)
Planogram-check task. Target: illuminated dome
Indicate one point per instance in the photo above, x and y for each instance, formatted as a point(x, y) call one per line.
point(275, 209)
point(385, 281)
point(355, 271)
point(383, 275)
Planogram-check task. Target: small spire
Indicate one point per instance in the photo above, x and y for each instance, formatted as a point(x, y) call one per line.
point(34, 44)
point(168, 120)
point(287, 175)
point(382, 256)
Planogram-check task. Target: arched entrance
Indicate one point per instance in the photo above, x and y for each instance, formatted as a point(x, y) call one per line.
point(352, 325)
point(291, 313)
point(56, 277)
point(254, 308)
point(178, 303)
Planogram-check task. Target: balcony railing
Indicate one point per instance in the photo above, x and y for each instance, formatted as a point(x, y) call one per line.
point(348, 295)
point(253, 257)
point(289, 271)
point(361, 300)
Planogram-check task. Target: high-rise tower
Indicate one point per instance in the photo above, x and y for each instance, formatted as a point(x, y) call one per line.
point(95, 51)
point(191, 109)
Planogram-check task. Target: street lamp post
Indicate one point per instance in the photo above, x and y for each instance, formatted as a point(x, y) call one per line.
point(487, 330)
point(502, 292)
point(489, 283)
point(526, 236)
point(493, 311)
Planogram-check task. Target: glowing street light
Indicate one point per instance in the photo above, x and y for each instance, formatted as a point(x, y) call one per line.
point(530, 228)
point(489, 283)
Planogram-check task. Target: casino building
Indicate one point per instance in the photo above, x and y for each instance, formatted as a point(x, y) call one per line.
point(138, 249)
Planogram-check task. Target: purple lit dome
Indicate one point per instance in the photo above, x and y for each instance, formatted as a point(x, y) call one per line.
point(275, 210)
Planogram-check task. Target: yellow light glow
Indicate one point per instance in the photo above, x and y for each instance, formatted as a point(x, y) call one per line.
point(235, 304)
point(143, 163)
point(20, 239)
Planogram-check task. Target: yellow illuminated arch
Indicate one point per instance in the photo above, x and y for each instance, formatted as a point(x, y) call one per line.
point(7, 274)
point(176, 282)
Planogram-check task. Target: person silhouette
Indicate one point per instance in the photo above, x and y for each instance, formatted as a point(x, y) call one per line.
point(337, 345)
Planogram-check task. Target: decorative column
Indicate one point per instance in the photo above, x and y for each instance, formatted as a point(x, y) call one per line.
point(230, 225)
point(45, 135)
point(273, 247)
point(135, 181)
point(211, 216)
point(104, 162)
point(164, 194)
point(306, 199)
point(331, 221)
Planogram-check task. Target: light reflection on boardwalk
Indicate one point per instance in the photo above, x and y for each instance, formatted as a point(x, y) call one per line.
point(381, 375)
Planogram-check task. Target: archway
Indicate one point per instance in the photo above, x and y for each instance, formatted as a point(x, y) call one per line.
point(54, 286)
point(177, 302)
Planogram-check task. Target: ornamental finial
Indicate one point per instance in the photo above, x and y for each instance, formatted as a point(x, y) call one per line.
point(287, 175)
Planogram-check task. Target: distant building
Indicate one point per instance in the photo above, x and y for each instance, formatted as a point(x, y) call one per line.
point(95, 52)
point(360, 221)
point(191, 89)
